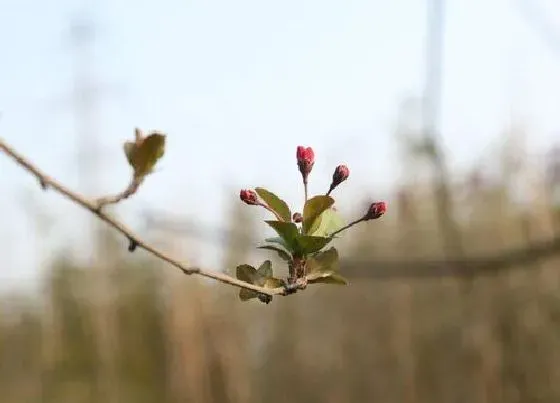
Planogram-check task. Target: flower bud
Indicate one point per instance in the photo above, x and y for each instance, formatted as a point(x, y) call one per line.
point(297, 217)
point(305, 160)
point(341, 173)
point(248, 196)
point(375, 210)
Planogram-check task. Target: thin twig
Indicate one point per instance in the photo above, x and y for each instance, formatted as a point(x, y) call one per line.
point(131, 189)
point(48, 182)
point(359, 220)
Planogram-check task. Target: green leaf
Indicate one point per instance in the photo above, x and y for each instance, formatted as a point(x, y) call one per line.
point(130, 152)
point(245, 294)
point(143, 154)
point(261, 277)
point(275, 203)
point(323, 262)
point(246, 273)
point(265, 270)
point(277, 240)
point(312, 244)
point(281, 252)
point(328, 222)
point(288, 231)
point(327, 278)
point(313, 209)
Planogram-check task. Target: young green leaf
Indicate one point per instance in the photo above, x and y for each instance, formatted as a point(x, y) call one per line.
point(144, 154)
point(327, 278)
point(246, 273)
point(311, 244)
point(275, 203)
point(288, 231)
point(326, 261)
point(265, 270)
point(328, 222)
point(284, 255)
point(313, 209)
point(130, 152)
point(323, 268)
point(261, 277)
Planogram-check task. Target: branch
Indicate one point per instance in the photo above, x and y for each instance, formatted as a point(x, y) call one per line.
point(485, 265)
point(135, 241)
point(129, 191)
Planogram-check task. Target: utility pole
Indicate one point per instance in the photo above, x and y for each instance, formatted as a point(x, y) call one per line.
point(449, 233)
point(85, 97)
point(86, 94)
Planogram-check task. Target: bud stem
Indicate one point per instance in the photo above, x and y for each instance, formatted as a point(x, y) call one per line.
point(272, 211)
point(359, 220)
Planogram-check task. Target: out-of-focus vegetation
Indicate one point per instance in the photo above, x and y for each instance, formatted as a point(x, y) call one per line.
point(125, 329)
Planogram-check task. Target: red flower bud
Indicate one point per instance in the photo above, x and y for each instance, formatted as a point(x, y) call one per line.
point(248, 196)
point(297, 217)
point(305, 160)
point(341, 173)
point(375, 211)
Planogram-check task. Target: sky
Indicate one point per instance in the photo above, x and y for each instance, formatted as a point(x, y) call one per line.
point(238, 85)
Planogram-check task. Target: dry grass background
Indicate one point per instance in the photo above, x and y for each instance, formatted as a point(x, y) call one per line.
point(127, 331)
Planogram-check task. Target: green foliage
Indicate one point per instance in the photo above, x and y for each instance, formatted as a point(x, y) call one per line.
point(282, 253)
point(144, 153)
point(324, 267)
point(262, 277)
point(275, 203)
point(288, 231)
point(311, 244)
point(328, 222)
point(302, 236)
point(313, 208)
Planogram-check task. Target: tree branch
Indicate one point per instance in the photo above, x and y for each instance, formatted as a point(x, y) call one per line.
point(132, 188)
point(47, 182)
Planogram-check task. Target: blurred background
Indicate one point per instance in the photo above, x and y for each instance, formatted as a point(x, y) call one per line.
point(446, 109)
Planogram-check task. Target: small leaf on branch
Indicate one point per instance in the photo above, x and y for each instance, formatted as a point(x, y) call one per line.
point(282, 253)
point(324, 267)
point(328, 222)
point(326, 261)
point(275, 203)
point(313, 209)
point(311, 244)
point(263, 277)
point(265, 270)
point(327, 278)
point(144, 153)
point(288, 231)
point(246, 273)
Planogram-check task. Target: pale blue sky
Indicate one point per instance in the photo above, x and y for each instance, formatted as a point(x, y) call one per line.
point(238, 85)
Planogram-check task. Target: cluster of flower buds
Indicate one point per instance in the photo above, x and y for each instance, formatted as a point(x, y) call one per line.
point(305, 160)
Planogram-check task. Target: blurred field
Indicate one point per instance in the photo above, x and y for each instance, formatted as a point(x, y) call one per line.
point(128, 330)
